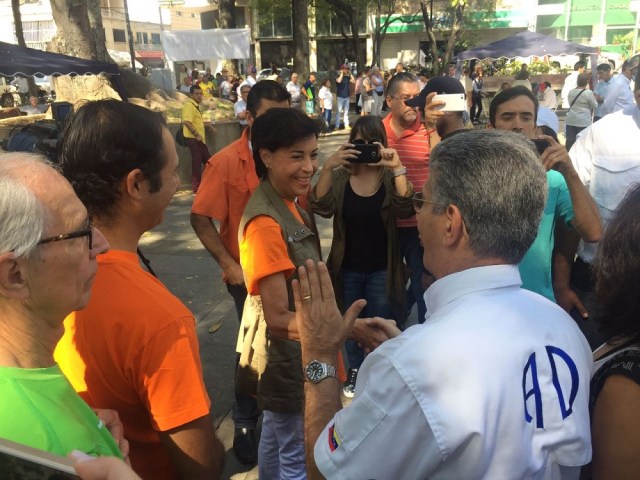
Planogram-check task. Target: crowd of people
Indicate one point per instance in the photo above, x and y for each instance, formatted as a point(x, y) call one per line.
point(499, 235)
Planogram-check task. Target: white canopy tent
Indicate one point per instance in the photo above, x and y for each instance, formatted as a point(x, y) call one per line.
point(230, 43)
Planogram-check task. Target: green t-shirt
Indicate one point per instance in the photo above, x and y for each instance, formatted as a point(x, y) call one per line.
point(535, 267)
point(41, 409)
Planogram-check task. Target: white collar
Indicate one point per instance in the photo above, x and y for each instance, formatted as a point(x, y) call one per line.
point(456, 285)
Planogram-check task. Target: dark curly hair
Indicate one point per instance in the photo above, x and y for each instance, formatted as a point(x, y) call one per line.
point(617, 270)
point(105, 140)
point(280, 128)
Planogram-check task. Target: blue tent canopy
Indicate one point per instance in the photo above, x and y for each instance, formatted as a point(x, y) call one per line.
point(526, 44)
point(17, 60)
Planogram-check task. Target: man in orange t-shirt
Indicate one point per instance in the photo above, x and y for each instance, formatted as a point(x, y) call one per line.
point(134, 347)
point(228, 181)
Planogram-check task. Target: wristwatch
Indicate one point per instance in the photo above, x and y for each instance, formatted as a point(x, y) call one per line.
point(316, 371)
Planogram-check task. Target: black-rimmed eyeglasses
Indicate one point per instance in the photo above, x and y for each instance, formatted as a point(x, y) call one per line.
point(85, 232)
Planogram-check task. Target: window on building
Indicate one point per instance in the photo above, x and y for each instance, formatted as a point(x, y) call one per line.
point(328, 23)
point(155, 39)
point(119, 36)
point(580, 34)
point(138, 37)
point(241, 21)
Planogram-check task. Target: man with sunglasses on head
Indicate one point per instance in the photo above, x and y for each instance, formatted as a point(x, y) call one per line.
point(134, 347)
point(48, 250)
point(407, 134)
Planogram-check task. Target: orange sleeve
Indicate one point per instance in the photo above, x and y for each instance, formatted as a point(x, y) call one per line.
point(263, 252)
point(169, 377)
point(211, 200)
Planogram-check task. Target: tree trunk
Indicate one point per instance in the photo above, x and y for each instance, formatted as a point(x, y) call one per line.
point(433, 46)
point(73, 37)
point(96, 31)
point(17, 20)
point(227, 11)
point(300, 20)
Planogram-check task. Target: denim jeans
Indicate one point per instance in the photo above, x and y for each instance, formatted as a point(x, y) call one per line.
point(245, 410)
point(343, 107)
point(373, 288)
point(327, 117)
point(281, 448)
point(413, 253)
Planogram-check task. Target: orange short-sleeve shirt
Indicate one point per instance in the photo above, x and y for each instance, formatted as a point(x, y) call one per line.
point(228, 181)
point(263, 250)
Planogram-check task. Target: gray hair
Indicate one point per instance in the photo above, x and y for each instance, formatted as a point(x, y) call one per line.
point(22, 215)
point(497, 181)
point(403, 77)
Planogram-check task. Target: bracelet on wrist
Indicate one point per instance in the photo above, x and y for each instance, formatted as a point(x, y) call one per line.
point(399, 171)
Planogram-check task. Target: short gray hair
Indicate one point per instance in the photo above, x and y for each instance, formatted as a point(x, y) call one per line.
point(22, 215)
point(497, 181)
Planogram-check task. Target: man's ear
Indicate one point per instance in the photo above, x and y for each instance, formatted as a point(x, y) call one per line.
point(456, 229)
point(13, 282)
point(133, 184)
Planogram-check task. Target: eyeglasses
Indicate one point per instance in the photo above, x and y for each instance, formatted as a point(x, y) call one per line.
point(86, 232)
point(404, 98)
point(419, 201)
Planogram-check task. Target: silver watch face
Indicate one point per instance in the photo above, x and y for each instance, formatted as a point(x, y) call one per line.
point(315, 371)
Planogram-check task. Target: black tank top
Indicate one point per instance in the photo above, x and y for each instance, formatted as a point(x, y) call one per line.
point(366, 237)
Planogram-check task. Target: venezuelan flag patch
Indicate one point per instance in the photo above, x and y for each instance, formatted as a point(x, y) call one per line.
point(334, 441)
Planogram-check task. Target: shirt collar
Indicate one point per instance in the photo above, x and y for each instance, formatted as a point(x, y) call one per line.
point(473, 280)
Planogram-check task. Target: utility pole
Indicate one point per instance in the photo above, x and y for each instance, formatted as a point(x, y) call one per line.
point(130, 35)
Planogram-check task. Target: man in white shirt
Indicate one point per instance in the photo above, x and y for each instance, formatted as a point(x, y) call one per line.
point(240, 107)
point(619, 94)
point(294, 90)
point(547, 97)
point(571, 82)
point(602, 87)
point(606, 158)
point(495, 383)
point(251, 80)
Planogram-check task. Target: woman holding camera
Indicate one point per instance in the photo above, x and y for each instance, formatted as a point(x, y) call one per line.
point(365, 199)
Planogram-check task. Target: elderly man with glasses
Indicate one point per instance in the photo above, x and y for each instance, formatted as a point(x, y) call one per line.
point(48, 250)
point(495, 383)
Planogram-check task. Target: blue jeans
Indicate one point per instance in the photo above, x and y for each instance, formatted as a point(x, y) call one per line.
point(327, 117)
point(281, 447)
point(343, 107)
point(413, 253)
point(373, 288)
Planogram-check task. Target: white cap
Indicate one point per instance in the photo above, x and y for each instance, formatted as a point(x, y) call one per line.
point(549, 118)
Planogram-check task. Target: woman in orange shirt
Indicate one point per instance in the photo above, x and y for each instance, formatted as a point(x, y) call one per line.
point(276, 237)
